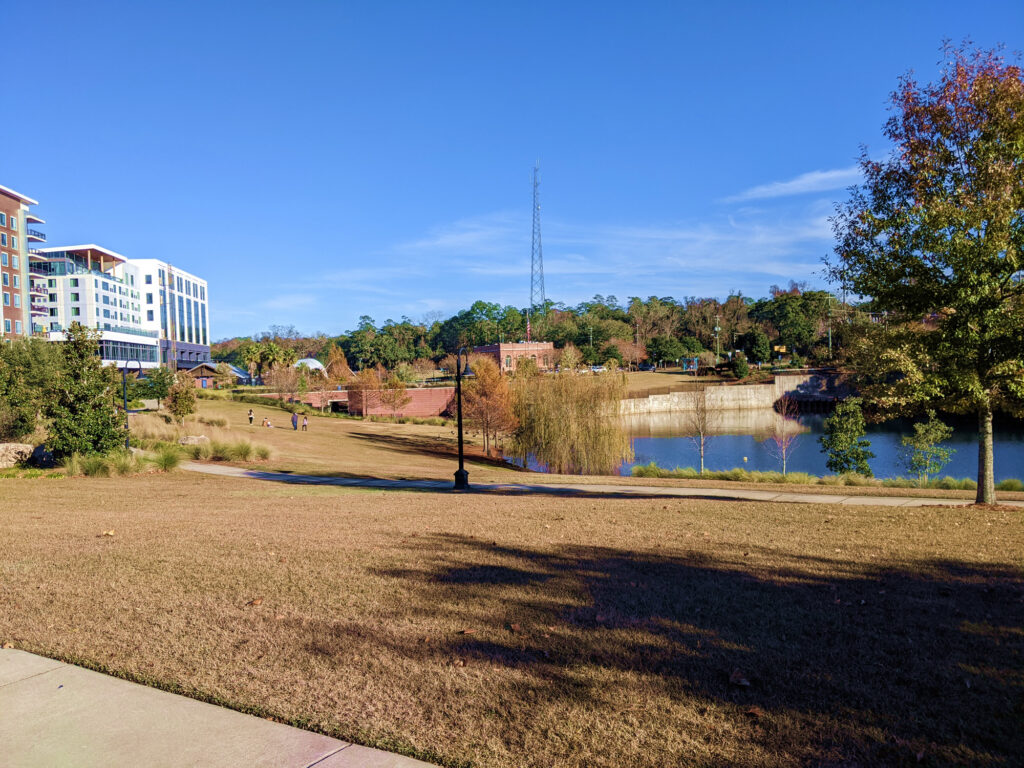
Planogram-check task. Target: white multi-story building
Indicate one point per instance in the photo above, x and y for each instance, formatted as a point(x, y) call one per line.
point(174, 303)
point(146, 310)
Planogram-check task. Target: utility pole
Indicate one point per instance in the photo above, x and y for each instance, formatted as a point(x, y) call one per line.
point(718, 343)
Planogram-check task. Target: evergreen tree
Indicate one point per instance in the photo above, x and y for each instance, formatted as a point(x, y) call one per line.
point(181, 399)
point(844, 441)
point(80, 400)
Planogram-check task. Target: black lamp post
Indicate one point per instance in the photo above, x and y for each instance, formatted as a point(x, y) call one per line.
point(461, 475)
point(124, 395)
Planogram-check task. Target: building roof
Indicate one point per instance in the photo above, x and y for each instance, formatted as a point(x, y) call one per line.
point(310, 362)
point(78, 248)
point(211, 366)
point(17, 195)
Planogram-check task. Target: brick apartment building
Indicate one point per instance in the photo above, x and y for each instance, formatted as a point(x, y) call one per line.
point(15, 235)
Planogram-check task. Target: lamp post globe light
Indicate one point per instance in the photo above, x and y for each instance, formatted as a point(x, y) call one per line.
point(461, 475)
point(124, 396)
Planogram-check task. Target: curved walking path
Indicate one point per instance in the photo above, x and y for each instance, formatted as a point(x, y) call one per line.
point(56, 714)
point(582, 489)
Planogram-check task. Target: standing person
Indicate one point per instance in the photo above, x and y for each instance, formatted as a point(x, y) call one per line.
point(251, 416)
point(305, 423)
point(295, 420)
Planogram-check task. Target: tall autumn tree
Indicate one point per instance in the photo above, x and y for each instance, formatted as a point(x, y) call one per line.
point(487, 402)
point(934, 236)
point(79, 400)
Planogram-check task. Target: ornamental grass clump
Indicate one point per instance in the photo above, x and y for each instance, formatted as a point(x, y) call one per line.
point(95, 465)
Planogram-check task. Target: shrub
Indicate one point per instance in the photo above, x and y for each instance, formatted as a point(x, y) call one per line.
point(830, 480)
point(202, 451)
point(800, 478)
point(213, 421)
point(167, 458)
point(740, 366)
point(262, 451)
point(123, 462)
point(219, 450)
point(96, 465)
point(647, 470)
point(1010, 484)
point(952, 484)
point(853, 479)
point(899, 482)
point(241, 450)
point(72, 465)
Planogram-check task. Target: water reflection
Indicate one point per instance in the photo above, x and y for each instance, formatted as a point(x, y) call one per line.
point(757, 422)
point(741, 440)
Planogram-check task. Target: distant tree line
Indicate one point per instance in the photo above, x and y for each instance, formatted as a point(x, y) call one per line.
point(656, 329)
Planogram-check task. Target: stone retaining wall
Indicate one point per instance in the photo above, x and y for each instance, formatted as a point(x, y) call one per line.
point(729, 397)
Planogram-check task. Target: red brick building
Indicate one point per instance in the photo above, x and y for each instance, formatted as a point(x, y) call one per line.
point(15, 237)
point(507, 355)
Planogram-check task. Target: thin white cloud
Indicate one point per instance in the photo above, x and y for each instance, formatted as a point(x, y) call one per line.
point(290, 300)
point(813, 181)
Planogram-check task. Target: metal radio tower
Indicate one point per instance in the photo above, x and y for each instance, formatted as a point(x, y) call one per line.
point(537, 299)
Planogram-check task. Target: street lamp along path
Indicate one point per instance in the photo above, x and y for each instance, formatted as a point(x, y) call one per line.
point(461, 475)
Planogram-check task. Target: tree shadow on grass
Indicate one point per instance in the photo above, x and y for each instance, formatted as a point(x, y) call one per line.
point(847, 664)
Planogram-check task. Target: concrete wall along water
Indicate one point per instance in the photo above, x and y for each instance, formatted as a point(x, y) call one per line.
point(729, 397)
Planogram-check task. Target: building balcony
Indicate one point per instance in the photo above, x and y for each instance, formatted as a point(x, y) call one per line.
point(31, 218)
point(35, 236)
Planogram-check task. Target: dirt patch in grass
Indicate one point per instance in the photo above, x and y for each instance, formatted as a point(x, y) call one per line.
point(535, 631)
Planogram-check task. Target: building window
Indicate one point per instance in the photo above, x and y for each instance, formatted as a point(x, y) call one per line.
point(7, 325)
point(17, 281)
point(14, 223)
point(17, 299)
point(7, 299)
point(53, 311)
point(149, 279)
point(74, 282)
point(149, 298)
point(51, 283)
point(3, 259)
point(15, 262)
point(149, 315)
point(74, 297)
point(17, 326)
point(14, 242)
point(202, 292)
point(6, 279)
point(76, 311)
point(3, 219)
point(3, 239)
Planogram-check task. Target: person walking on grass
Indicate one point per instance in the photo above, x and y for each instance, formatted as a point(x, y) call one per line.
point(251, 416)
point(305, 423)
point(295, 420)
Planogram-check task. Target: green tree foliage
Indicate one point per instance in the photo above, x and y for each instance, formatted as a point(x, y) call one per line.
point(665, 349)
point(740, 366)
point(934, 236)
point(27, 366)
point(157, 383)
point(844, 443)
point(181, 399)
point(922, 454)
point(569, 422)
point(79, 399)
point(756, 346)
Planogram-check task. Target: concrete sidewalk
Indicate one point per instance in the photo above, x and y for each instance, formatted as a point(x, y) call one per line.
point(582, 489)
point(54, 715)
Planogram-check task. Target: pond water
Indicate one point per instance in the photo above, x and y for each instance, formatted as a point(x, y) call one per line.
point(660, 437)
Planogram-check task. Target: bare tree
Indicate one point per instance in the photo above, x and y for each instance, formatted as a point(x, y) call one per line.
point(700, 424)
point(784, 436)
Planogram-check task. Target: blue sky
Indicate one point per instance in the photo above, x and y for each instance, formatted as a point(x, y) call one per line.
point(317, 161)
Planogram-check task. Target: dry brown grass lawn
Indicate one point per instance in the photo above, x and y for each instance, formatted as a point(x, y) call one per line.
point(516, 631)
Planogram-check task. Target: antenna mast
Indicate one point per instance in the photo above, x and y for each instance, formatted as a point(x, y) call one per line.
point(537, 299)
